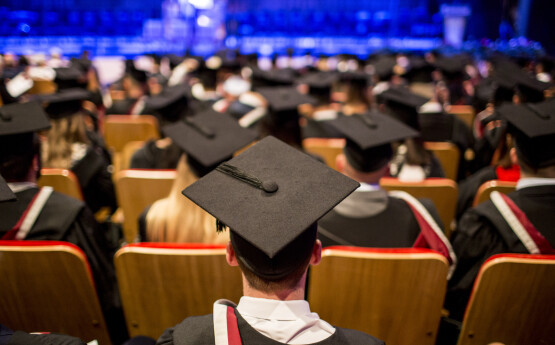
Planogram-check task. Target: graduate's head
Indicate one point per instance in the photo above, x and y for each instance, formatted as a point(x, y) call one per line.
point(20, 145)
point(368, 145)
point(533, 129)
point(270, 197)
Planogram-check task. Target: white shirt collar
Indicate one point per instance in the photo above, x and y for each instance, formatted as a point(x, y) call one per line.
point(270, 309)
point(526, 182)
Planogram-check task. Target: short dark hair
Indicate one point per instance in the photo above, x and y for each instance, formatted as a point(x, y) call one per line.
point(16, 155)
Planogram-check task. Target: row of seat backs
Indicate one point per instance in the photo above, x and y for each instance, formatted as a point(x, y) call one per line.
point(136, 189)
point(447, 153)
point(394, 294)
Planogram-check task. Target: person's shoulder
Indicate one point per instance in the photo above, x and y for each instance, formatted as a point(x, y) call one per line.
point(354, 337)
point(22, 338)
point(62, 200)
point(198, 330)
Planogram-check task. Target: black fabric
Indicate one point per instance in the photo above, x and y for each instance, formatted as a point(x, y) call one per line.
point(394, 227)
point(199, 330)
point(22, 338)
point(121, 107)
point(5, 192)
point(469, 187)
point(19, 118)
point(96, 181)
point(483, 232)
point(237, 109)
point(67, 219)
point(151, 156)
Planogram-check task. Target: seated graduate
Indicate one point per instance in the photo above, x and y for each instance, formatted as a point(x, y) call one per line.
point(68, 146)
point(43, 214)
point(411, 161)
point(520, 222)
point(135, 89)
point(357, 100)
point(372, 217)
point(207, 139)
point(270, 196)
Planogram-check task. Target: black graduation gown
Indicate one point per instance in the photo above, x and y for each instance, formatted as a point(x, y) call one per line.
point(199, 330)
point(9, 337)
point(152, 157)
point(96, 181)
point(67, 219)
point(121, 107)
point(483, 232)
point(469, 187)
point(394, 227)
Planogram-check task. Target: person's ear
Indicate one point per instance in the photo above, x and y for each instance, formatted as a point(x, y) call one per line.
point(316, 255)
point(513, 156)
point(230, 255)
point(340, 162)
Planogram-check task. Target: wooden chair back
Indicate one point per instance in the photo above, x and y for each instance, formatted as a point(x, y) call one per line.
point(448, 155)
point(442, 191)
point(41, 87)
point(464, 112)
point(162, 284)
point(328, 149)
point(135, 190)
point(128, 150)
point(121, 129)
point(394, 294)
point(512, 302)
point(62, 180)
point(488, 187)
point(48, 286)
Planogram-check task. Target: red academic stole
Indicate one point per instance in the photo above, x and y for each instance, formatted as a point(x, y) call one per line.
point(226, 330)
point(527, 233)
point(431, 236)
point(27, 220)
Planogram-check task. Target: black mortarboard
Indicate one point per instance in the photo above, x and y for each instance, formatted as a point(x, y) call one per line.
point(69, 77)
point(533, 126)
point(6, 193)
point(383, 67)
point(530, 88)
point(281, 99)
point(403, 104)
point(369, 137)
point(319, 80)
point(451, 66)
point(19, 118)
point(270, 197)
point(169, 105)
point(276, 77)
point(64, 103)
point(208, 138)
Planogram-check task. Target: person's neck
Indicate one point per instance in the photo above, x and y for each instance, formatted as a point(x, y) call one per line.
point(284, 295)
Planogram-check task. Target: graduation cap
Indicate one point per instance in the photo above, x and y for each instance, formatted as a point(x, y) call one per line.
point(284, 99)
point(20, 118)
point(319, 80)
point(383, 67)
point(69, 77)
point(369, 137)
point(208, 138)
point(6, 193)
point(530, 88)
point(270, 197)
point(533, 126)
point(274, 77)
point(64, 103)
point(403, 104)
point(170, 105)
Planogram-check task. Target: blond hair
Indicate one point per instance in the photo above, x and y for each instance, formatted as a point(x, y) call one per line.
point(177, 219)
point(57, 148)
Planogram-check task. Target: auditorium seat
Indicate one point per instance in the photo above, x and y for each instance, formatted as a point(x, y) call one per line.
point(135, 190)
point(162, 284)
point(488, 187)
point(464, 112)
point(442, 191)
point(48, 286)
point(394, 294)
point(448, 155)
point(121, 129)
point(127, 153)
point(42, 87)
point(512, 302)
point(328, 149)
point(62, 180)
